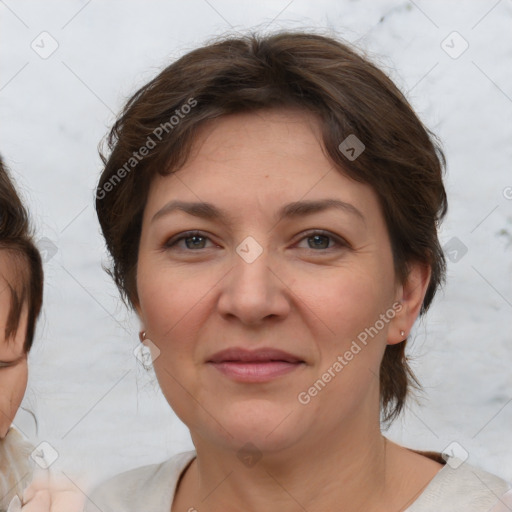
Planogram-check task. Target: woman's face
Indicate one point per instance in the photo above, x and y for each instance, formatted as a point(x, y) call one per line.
point(13, 359)
point(270, 273)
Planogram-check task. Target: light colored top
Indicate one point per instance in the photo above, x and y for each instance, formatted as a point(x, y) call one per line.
point(16, 468)
point(457, 487)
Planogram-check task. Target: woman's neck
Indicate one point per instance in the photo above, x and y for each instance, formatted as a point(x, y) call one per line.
point(359, 473)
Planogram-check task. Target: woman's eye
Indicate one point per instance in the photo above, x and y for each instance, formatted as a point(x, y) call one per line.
point(318, 240)
point(195, 240)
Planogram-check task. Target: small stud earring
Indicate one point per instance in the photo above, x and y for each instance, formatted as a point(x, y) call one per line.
point(402, 333)
point(142, 336)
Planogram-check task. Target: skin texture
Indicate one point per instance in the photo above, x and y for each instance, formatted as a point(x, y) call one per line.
point(13, 378)
point(311, 302)
point(56, 494)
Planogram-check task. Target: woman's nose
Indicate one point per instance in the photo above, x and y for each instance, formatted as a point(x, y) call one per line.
point(253, 289)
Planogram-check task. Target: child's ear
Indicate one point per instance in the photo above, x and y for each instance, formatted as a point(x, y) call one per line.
point(410, 295)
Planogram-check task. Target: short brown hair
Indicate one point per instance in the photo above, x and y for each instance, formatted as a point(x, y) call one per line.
point(26, 285)
point(402, 160)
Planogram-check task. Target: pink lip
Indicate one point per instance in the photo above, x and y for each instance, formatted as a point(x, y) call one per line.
point(255, 372)
point(254, 365)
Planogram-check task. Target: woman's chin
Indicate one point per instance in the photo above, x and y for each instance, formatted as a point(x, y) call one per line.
point(259, 425)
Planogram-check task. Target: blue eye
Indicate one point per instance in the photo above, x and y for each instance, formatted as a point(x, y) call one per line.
point(321, 238)
point(196, 240)
point(195, 236)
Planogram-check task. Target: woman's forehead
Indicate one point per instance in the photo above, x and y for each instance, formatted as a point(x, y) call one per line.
point(283, 126)
point(262, 152)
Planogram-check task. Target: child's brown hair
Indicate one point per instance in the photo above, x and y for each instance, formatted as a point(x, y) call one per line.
point(26, 281)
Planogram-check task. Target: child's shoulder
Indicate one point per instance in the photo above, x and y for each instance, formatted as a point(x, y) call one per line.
point(16, 467)
point(150, 488)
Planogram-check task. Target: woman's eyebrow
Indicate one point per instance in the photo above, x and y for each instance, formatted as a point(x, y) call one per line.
point(209, 211)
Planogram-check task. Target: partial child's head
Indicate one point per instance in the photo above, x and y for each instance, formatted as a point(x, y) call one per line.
point(21, 293)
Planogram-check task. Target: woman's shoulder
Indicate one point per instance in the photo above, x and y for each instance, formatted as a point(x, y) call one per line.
point(150, 488)
point(460, 486)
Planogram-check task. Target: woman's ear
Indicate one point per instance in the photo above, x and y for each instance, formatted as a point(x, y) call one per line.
point(410, 295)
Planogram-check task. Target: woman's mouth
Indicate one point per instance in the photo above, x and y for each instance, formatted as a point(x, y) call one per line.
point(257, 371)
point(254, 365)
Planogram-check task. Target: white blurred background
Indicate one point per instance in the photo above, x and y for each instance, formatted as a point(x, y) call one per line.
point(66, 70)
